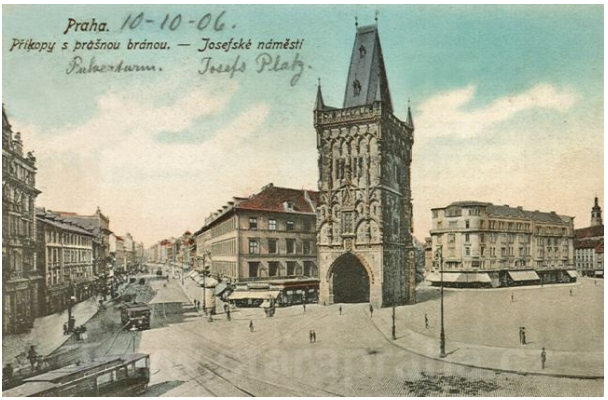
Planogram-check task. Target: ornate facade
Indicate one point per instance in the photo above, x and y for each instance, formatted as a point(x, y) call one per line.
point(364, 213)
point(22, 283)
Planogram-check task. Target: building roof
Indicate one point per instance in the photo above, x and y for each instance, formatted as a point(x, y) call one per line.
point(367, 81)
point(589, 232)
point(600, 248)
point(506, 211)
point(587, 243)
point(48, 217)
point(273, 198)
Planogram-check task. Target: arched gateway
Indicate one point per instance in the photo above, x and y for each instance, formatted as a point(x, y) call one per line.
point(349, 280)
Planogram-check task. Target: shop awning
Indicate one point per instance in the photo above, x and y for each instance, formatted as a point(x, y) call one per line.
point(572, 274)
point(460, 277)
point(265, 304)
point(258, 294)
point(524, 276)
point(599, 273)
point(220, 288)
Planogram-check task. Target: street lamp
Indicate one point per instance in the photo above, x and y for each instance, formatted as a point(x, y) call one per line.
point(439, 256)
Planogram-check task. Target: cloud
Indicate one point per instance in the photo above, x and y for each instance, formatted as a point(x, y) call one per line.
point(114, 160)
point(449, 114)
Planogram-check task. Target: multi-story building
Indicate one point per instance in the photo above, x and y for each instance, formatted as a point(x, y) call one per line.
point(364, 211)
point(264, 244)
point(483, 244)
point(99, 225)
point(129, 250)
point(589, 245)
point(65, 257)
point(22, 282)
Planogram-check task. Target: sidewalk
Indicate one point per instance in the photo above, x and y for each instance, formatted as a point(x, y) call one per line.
point(47, 333)
point(589, 365)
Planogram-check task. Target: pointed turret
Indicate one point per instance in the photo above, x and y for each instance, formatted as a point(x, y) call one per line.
point(319, 105)
point(367, 80)
point(410, 120)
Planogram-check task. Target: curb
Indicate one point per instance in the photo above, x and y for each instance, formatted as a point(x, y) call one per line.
point(509, 371)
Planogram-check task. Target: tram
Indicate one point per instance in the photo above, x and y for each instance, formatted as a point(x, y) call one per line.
point(135, 315)
point(109, 376)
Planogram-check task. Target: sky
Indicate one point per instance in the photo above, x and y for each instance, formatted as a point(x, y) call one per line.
point(507, 103)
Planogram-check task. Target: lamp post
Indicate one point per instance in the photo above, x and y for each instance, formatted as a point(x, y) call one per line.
point(442, 354)
point(394, 333)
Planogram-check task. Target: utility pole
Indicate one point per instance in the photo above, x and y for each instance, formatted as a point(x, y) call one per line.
point(442, 354)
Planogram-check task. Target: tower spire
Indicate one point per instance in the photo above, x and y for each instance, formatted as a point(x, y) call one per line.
point(319, 105)
point(410, 120)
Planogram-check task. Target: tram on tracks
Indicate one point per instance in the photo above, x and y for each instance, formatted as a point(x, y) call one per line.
point(109, 376)
point(135, 315)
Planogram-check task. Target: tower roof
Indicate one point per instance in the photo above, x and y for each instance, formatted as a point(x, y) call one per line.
point(367, 80)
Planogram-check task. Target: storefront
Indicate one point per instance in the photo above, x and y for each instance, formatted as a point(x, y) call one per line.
point(460, 279)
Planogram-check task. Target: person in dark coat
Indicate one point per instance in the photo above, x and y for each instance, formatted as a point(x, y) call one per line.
point(304, 307)
point(426, 322)
point(310, 336)
point(371, 311)
point(543, 358)
point(314, 336)
point(251, 326)
point(340, 309)
point(523, 335)
point(32, 356)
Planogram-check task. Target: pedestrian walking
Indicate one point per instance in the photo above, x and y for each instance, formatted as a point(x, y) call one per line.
point(426, 322)
point(340, 309)
point(314, 336)
point(304, 307)
point(371, 311)
point(523, 335)
point(32, 356)
point(65, 328)
point(512, 298)
point(570, 292)
point(228, 315)
point(251, 326)
point(310, 336)
point(543, 358)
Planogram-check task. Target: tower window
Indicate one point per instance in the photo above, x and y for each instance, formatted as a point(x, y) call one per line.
point(362, 51)
point(357, 87)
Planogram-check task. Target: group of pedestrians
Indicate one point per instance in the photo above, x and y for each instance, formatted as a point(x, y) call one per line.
point(522, 335)
point(312, 336)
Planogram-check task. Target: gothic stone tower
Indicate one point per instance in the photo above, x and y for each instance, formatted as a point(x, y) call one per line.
point(364, 213)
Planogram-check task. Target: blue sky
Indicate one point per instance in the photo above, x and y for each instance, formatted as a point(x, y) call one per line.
point(507, 101)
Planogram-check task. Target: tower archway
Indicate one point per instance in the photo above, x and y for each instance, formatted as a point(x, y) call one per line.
point(350, 280)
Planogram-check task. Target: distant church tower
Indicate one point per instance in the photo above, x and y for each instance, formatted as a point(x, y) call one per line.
point(596, 214)
point(364, 213)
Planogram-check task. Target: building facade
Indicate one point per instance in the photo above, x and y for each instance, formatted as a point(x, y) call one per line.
point(99, 225)
point(364, 213)
point(22, 282)
point(264, 243)
point(65, 257)
point(589, 246)
point(487, 245)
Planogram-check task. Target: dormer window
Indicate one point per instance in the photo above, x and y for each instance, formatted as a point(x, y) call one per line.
point(356, 87)
point(289, 206)
point(362, 51)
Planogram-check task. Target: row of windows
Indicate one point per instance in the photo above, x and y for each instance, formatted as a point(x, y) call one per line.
point(223, 228)
point(224, 248)
point(308, 225)
point(276, 269)
point(226, 268)
point(53, 236)
point(273, 246)
point(55, 256)
point(18, 226)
